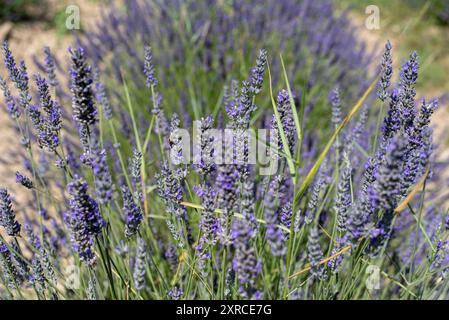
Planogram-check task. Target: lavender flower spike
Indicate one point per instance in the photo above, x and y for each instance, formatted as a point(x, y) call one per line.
point(208, 224)
point(140, 265)
point(84, 111)
point(245, 263)
point(7, 215)
point(315, 254)
point(148, 68)
point(336, 106)
point(11, 105)
point(103, 181)
point(258, 72)
point(24, 180)
point(132, 212)
point(274, 234)
point(385, 73)
point(50, 67)
point(84, 220)
point(390, 174)
point(343, 198)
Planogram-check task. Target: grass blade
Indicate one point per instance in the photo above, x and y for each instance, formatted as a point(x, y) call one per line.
point(285, 145)
point(345, 121)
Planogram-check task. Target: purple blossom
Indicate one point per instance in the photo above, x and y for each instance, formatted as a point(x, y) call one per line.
point(286, 118)
point(407, 93)
point(258, 71)
point(245, 263)
point(392, 121)
point(140, 265)
point(343, 197)
point(204, 164)
point(132, 211)
point(11, 106)
point(315, 254)
point(170, 184)
point(7, 215)
point(102, 96)
point(227, 188)
point(390, 174)
point(24, 180)
point(175, 293)
point(7, 267)
point(84, 220)
point(50, 67)
point(104, 186)
point(84, 111)
point(148, 69)
point(47, 126)
point(335, 101)
point(208, 222)
point(386, 73)
point(274, 234)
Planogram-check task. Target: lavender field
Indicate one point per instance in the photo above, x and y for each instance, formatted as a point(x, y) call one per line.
point(223, 150)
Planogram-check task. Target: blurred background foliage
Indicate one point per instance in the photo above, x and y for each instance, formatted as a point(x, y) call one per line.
point(21, 10)
point(421, 25)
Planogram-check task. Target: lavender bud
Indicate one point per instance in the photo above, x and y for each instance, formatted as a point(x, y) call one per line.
point(102, 96)
point(9, 272)
point(390, 174)
point(11, 106)
point(37, 277)
point(315, 254)
point(227, 191)
point(314, 197)
point(248, 204)
point(334, 264)
point(91, 293)
point(357, 222)
point(386, 73)
point(407, 81)
point(343, 197)
point(335, 101)
point(171, 255)
point(274, 234)
point(392, 121)
point(148, 69)
point(175, 293)
point(258, 71)
point(50, 67)
point(84, 111)
point(208, 222)
point(7, 215)
point(24, 181)
point(103, 181)
point(245, 262)
point(205, 164)
point(286, 117)
point(136, 167)
point(132, 213)
point(175, 141)
point(170, 188)
point(140, 265)
point(84, 219)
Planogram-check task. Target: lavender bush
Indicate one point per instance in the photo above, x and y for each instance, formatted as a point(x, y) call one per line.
point(115, 197)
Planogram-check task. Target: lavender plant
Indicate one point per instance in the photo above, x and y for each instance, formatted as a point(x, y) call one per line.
point(209, 229)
